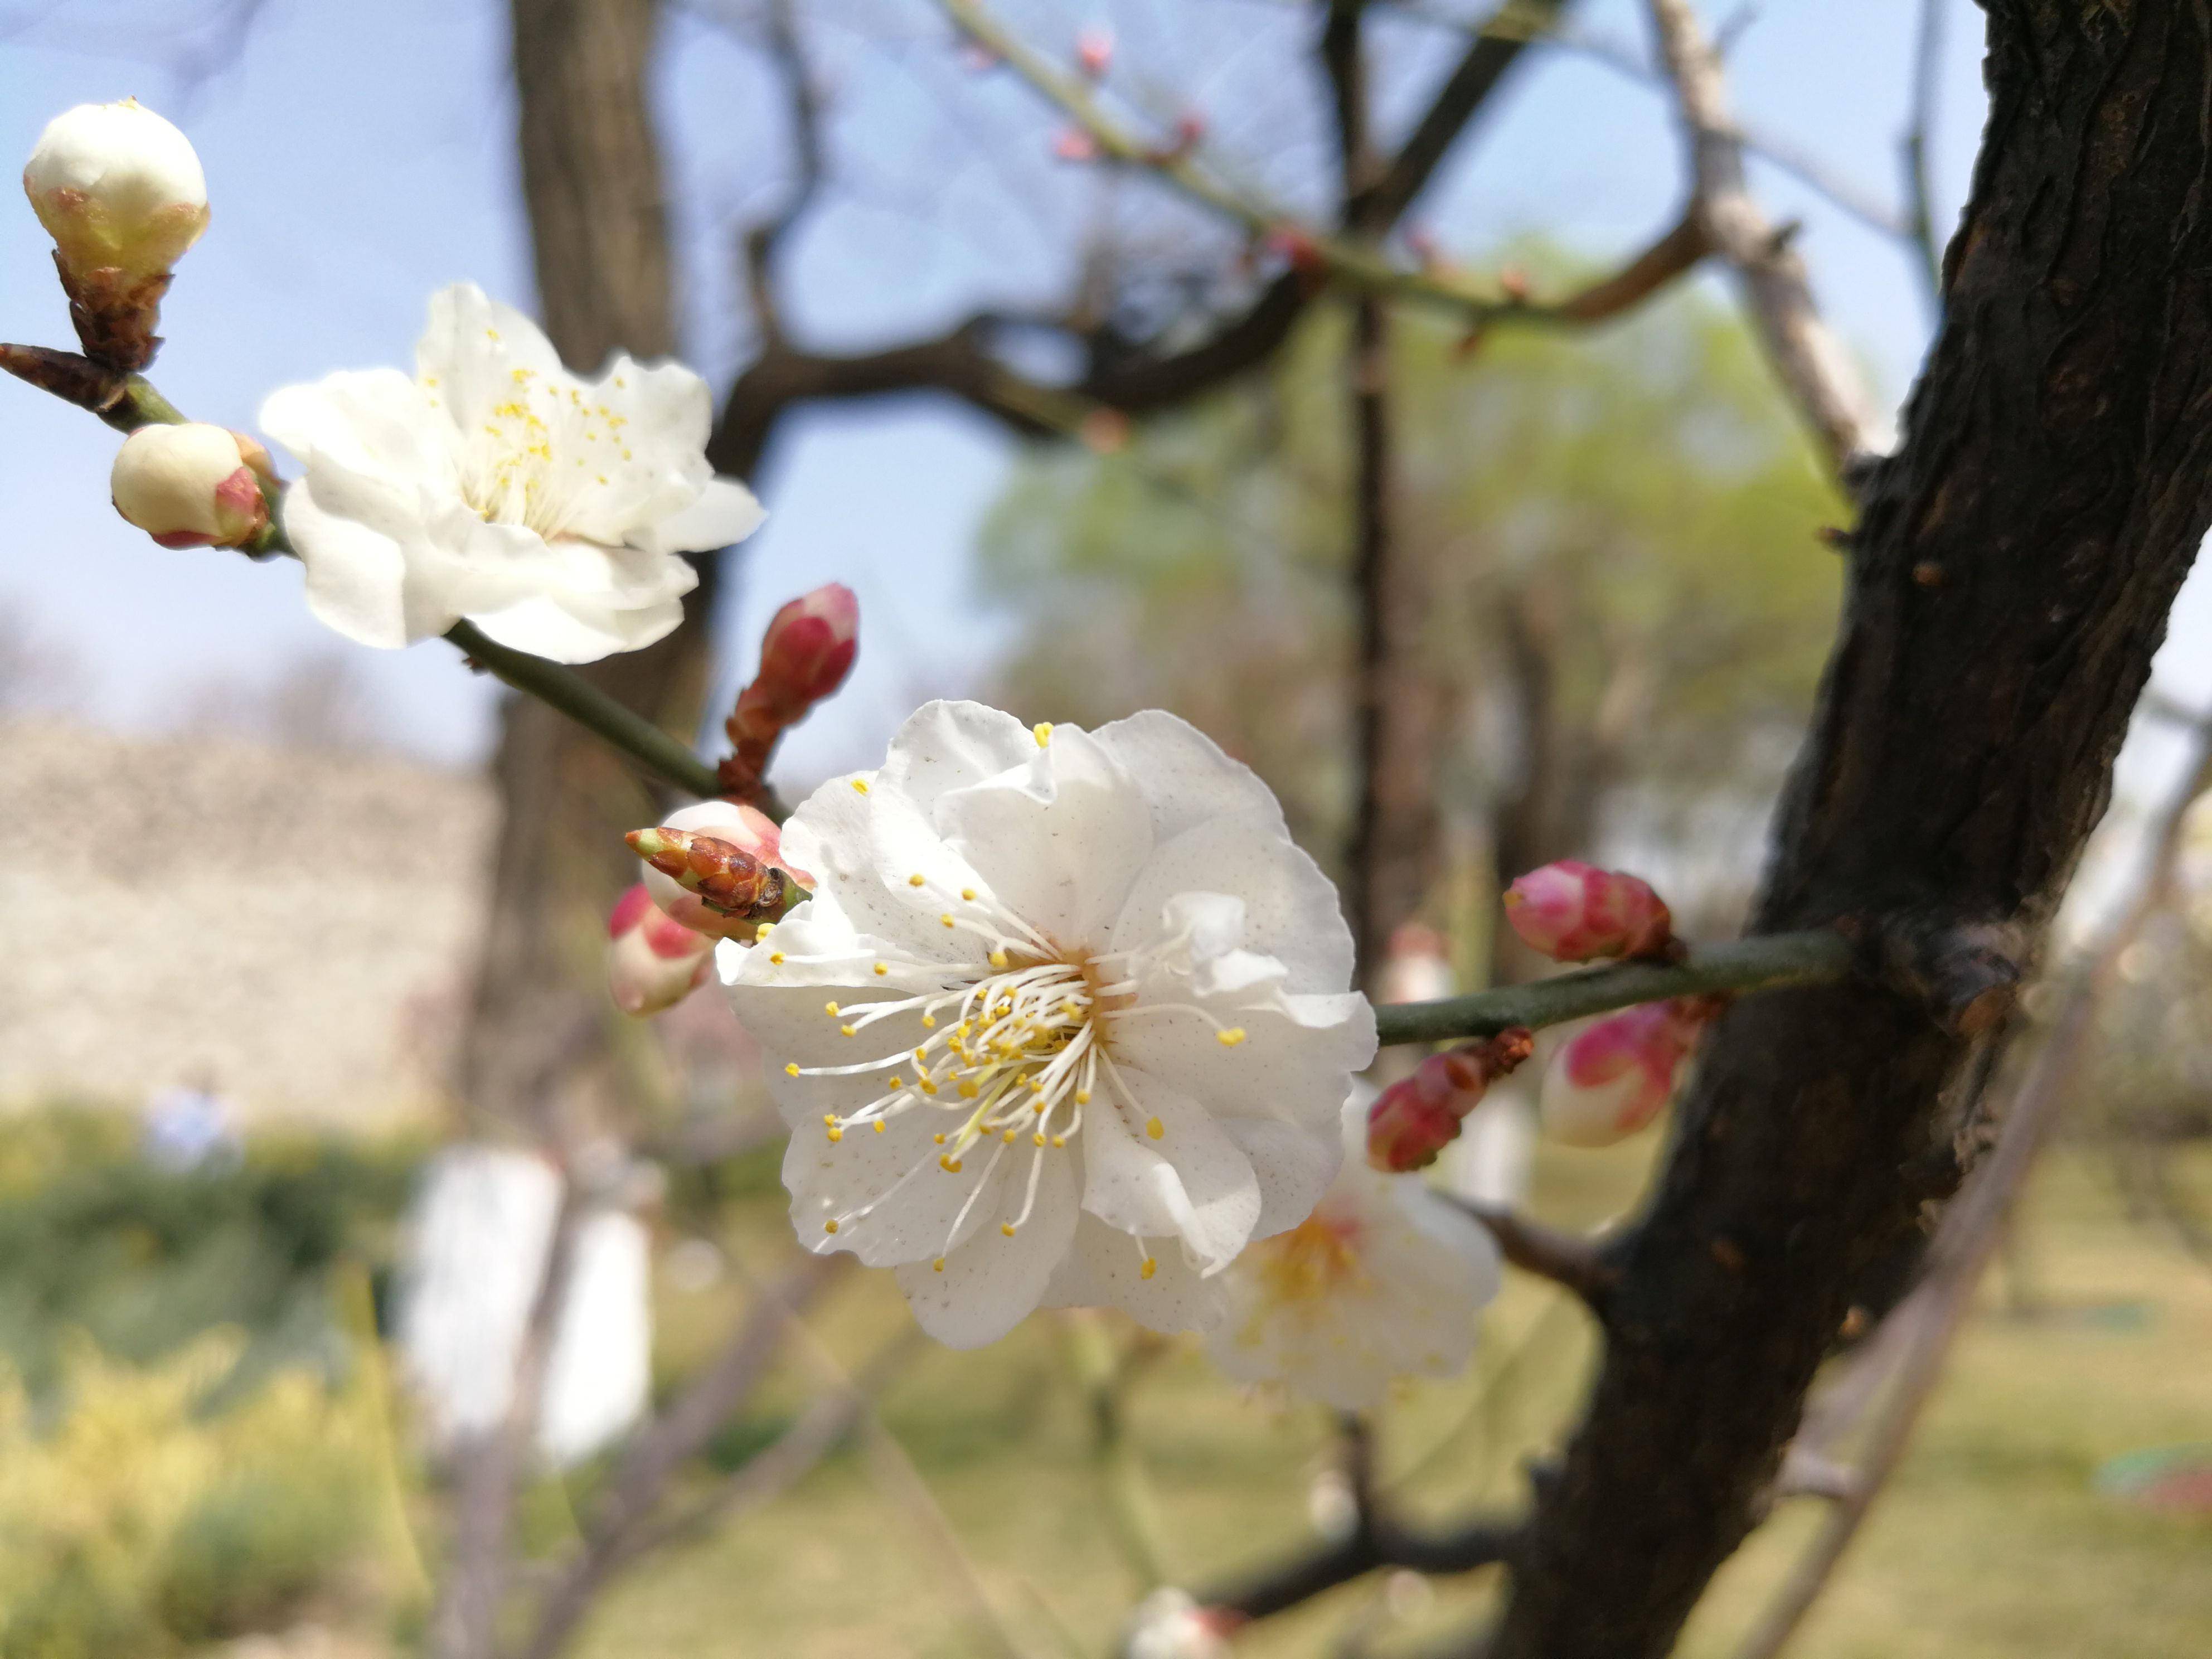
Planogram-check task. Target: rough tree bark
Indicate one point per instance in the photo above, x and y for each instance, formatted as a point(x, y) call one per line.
point(2010, 581)
point(591, 180)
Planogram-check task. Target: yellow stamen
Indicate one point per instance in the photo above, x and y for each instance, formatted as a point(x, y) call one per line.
point(763, 931)
point(879, 1125)
point(1042, 733)
point(939, 1139)
point(828, 1226)
point(946, 919)
point(1083, 1097)
point(831, 1009)
point(776, 957)
point(998, 956)
point(1038, 1138)
point(791, 1069)
point(938, 1265)
point(835, 1134)
point(883, 968)
point(859, 785)
point(915, 879)
point(1147, 1268)
point(968, 893)
point(1007, 1228)
point(1231, 1037)
point(1154, 1127)
point(848, 1031)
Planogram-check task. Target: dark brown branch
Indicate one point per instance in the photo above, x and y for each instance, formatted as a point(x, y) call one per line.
point(2058, 470)
point(1377, 1543)
point(1566, 1258)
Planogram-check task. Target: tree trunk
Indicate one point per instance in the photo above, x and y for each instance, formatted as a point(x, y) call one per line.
point(592, 178)
point(2012, 573)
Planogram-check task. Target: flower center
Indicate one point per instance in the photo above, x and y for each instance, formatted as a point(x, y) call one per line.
point(532, 460)
point(1010, 1058)
point(1318, 1256)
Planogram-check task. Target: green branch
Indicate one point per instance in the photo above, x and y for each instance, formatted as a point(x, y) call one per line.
point(1818, 956)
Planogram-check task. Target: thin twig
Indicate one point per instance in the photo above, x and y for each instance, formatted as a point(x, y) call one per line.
point(1818, 956)
point(1919, 191)
point(1566, 1258)
point(1808, 358)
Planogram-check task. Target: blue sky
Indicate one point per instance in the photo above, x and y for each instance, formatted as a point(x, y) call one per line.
point(359, 157)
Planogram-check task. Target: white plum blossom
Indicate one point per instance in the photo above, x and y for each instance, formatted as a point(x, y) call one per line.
point(116, 187)
point(1065, 1022)
point(495, 485)
point(1383, 1281)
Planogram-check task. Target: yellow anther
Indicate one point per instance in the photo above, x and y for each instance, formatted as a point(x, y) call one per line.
point(915, 879)
point(1007, 1228)
point(927, 1087)
point(848, 1031)
point(1041, 1107)
point(828, 1226)
point(952, 1164)
point(929, 1022)
point(1083, 1097)
point(831, 1009)
point(791, 1069)
point(897, 1082)
point(969, 1091)
point(883, 968)
point(830, 1118)
point(879, 1125)
point(1154, 1127)
point(835, 1134)
point(859, 785)
point(938, 1265)
point(1038, 1137)
point(1037, 1083)
point(763, 931)
point(968, 893)
point(998, 956)
point(1042, 733)
point(775, 958)
point(939, 1139)
point(1059, 1140)
point(1230, 1038)
point(1008, 1137)
point(946, 919)
point(1147, 1268)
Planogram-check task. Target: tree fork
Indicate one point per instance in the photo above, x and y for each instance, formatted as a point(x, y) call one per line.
point(2011, 581)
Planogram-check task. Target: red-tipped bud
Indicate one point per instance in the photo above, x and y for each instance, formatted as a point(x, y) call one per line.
point(653, 962)
point(1094, 53)
point(729, 882)
point(737, 829)
point(806, 654)
point(1415, 1119)
point(1573, 912)
point(1614, 1075)
point(1074, 144)
point(192, 485)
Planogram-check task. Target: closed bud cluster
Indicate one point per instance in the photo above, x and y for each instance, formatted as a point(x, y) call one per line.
point(1616, 1075)
point(806, 654)
point(192, 485)
point(121, 192)
point(1574, 912)
point(718, 868)
point(653, 962)
point(1415, 1119)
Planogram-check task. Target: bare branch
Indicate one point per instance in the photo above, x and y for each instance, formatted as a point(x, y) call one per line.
point(1811, 363)
point(1566, 1258)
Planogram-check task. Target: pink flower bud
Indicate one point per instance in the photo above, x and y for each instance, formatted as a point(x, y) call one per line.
point(806, 654)
point(1573, 912)
point(1614, 1075)
point(693, 890)
point(1094, 51)
point(1073, 144)
point(1415, 1118)
point(192, 485)
point(653, 962)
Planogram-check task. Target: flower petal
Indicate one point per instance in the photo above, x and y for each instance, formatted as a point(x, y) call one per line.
point(1104, 1268)
point(946, 745)
point(1291, 911)
point(992, 1282)
point(1295, 1064)
point(912, 1202)
point(1293, 1165)
point(723, 514)
point(1187, 777)
point(470, 349)
point(863, 846)
point(1191, 1181)
point(1058, 838)
point(357, 577)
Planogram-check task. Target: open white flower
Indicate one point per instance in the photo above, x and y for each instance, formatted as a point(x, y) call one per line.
point(547, 509)
point(1066, 1021)
point(1383, 1281)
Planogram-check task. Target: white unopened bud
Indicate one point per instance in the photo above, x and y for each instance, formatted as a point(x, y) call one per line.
point(191, 486)
point(116, 187)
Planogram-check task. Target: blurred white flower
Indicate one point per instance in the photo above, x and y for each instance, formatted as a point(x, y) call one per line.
point(1383, 1281)
point(1168, 1624)
point(547, 509)
point(116, 187)
point(1086, 1001)
point(482, 1225)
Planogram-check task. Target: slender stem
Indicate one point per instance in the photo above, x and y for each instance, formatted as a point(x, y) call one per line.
point(1919, 189)
point(1818, 956)
point(589, 707)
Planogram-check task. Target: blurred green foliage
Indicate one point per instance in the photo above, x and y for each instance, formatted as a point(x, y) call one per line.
point(1616, 535)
